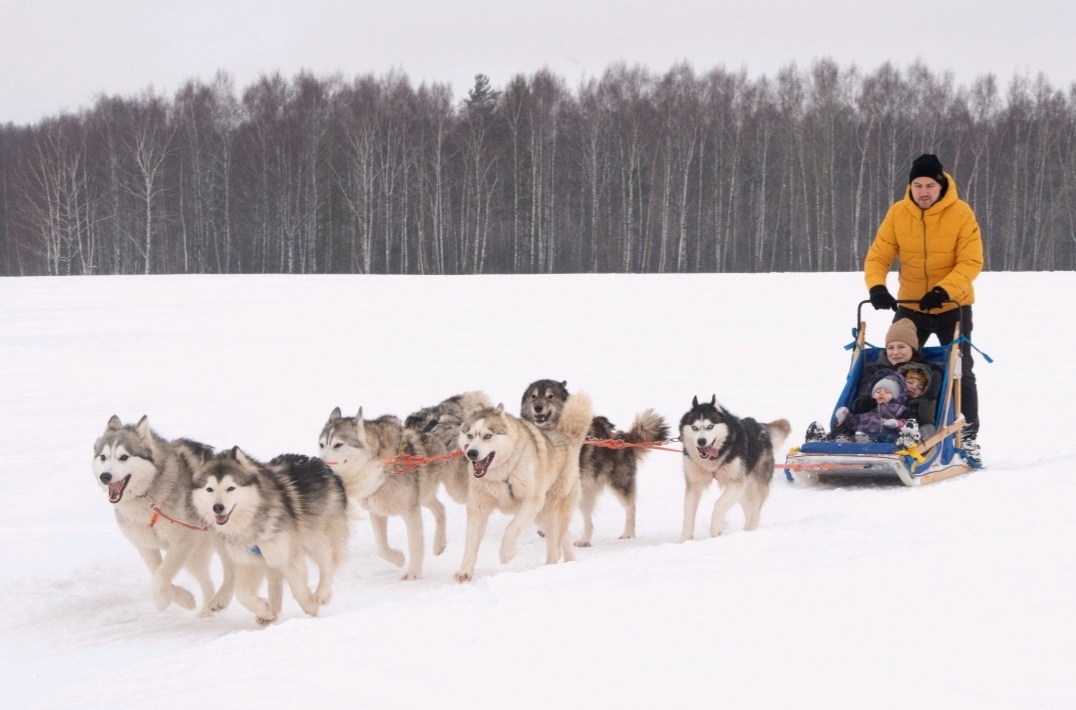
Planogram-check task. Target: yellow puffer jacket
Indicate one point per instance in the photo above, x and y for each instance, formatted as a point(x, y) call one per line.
point(940, 246)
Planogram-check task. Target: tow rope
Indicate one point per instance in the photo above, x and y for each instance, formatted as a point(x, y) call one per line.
point(402, 463)
point(621, 444)
point(158, 513)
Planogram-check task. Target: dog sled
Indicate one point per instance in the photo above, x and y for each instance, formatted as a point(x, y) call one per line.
point(935, 458)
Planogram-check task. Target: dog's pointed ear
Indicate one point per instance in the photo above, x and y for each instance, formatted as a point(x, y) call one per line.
point(499, 411)
point(695, 402)
point(713, 401)
point(143, 428)
point(335, 414)
point(564, 384)
point(360, 428)
point(244, 460)
point(114, 424)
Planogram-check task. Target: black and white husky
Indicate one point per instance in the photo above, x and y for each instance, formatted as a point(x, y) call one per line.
point(737, 453)
point(270, 518)
point(148, 482)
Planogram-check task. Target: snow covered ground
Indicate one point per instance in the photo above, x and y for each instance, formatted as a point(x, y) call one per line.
point(959, 594)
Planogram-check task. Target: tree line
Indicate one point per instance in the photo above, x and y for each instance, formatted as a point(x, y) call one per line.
point(630, 172)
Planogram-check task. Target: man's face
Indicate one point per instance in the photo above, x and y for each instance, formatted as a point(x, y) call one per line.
point(925, 191)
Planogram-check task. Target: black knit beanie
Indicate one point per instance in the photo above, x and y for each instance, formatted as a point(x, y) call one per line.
point(928, 165)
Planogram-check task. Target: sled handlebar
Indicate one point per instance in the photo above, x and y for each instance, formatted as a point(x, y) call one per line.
point(913, 301)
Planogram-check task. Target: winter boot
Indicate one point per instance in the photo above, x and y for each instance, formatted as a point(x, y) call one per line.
point(815, 432)
point(968, 438)
point(909, 435)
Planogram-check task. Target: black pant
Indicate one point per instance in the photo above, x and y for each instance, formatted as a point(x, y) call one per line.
point(941, 325)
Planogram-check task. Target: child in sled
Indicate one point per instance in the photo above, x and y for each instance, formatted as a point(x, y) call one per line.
point(879, 418)
point(922, 400)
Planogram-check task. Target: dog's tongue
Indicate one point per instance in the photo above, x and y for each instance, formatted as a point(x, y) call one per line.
point(223, 519)
point(115, 489)
point(480, 467)
point(709, 451)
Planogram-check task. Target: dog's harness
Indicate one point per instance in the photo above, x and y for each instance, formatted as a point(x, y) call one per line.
point(158, 513)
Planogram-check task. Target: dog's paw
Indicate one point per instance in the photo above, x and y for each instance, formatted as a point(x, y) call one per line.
point(409, 576)
point(462, 576)
point(582, 543)
point(183, 598)
point(322, 597)
point(627, 536)
point(394, 556)
point(717, 530)
point(439, 545)
point(218, 602)
point(508, 551)
point(265, 614)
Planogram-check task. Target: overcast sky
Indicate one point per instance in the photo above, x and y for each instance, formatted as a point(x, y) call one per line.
point(58, 55)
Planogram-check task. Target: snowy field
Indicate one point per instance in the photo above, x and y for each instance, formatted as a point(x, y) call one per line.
point(961, 594)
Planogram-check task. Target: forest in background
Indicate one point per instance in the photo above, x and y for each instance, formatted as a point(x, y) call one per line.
point(631, 172)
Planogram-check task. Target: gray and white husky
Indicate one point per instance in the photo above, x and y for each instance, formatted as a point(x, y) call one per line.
point(737, 453)
point(434, 431)
point(355, 450)
point(525, 471)
point(270, 518)
point(148, 481)
point(599, 467)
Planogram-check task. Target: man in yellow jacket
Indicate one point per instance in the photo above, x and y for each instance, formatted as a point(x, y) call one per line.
point(936, 237)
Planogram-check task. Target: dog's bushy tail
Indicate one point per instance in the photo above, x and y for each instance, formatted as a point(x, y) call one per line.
point(361, 477)
point(648, 426)
point(575, 419)
point(779, 431)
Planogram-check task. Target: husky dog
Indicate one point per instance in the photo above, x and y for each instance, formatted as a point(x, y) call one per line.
point(355, 449)
point(521, 469)
point(737, 453)
point(270, 518)
point(543, 402)
point(148, 481)
point(434, 431)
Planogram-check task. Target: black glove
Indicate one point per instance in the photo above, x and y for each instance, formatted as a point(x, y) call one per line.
point(934, 299)
point(882, 299)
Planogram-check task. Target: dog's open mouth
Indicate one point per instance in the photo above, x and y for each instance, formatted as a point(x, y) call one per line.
point(480, 467)
point(540, 419)
point(707, 452)
point(223, 519)
point(116, 488)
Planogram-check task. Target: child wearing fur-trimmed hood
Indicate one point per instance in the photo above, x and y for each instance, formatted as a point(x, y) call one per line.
point(922, 385)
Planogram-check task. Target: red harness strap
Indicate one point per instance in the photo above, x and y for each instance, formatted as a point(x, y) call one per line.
point(621, 444)
point(158, 513)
